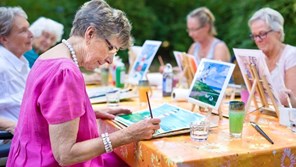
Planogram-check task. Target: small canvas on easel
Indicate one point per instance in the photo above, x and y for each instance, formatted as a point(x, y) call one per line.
point(178, 57)
point(187, 65)
point(209, 83)
point(143, 61)
point(257, 78)
point(133, 53)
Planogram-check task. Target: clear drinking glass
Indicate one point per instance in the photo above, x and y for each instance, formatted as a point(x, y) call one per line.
point(113, 98)
point(105, 76)
point(199, 130)
point(144, 87)
point(236, 118)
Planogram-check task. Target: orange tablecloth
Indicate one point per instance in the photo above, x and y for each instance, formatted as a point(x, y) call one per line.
point(219, 150)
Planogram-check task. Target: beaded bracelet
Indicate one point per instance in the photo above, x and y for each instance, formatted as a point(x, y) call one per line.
point(107, 143)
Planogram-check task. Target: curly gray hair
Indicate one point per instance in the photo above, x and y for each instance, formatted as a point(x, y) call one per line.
point(272, 18)
point(108, 22)
point(7, 15)
point(48, 25)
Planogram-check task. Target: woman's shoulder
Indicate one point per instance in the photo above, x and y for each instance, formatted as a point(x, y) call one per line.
point(288, 56)
point(290, 51)
point(219, 44)
point(218, 41)
point(54, 66)
point(56, 62)
point(290, 48)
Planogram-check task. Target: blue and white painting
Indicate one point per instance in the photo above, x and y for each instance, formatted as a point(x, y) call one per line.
point(210, 81)
point(143, 61)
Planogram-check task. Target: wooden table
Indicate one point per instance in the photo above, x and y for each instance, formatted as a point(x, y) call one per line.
point(219, 150)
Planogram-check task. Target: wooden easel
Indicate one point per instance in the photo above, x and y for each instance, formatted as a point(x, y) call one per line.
point(258, 86)
point(209, 110)
point(189, 68)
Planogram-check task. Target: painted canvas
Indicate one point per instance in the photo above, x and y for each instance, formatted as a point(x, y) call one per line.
point(174, 120)
point(247, 57)
point(178, 57)
point(183, 58)
point(210, 82)
point(143, 61)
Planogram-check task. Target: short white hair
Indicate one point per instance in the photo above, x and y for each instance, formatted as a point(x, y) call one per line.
point(7, 16)
point(48, 25)
point(272, 18)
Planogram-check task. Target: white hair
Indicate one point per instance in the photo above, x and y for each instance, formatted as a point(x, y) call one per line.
point(7, 15)
point(48, 25)
point(272, 18)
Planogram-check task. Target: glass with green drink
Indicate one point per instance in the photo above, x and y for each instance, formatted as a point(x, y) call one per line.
point(236, 118)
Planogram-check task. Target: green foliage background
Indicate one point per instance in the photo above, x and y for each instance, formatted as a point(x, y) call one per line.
point(165, 19)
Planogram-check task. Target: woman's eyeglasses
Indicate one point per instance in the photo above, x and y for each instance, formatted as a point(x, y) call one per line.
point(111, 48)
point(261, 35)
point(194, 29)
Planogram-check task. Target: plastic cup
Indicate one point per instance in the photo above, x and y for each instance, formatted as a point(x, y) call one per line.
point(244, 95)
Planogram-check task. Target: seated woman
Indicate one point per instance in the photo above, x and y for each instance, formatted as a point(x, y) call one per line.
point(46, 32)
point(200, 27)
point(267, 28)
point(57, 124)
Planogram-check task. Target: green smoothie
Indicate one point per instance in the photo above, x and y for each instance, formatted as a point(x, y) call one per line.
point(236, 120)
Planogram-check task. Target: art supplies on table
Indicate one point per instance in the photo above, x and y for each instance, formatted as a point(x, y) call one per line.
point(98, 94)
point(174, 120)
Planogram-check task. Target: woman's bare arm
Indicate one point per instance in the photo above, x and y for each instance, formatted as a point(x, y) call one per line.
point(67, 151)
point(221, 52)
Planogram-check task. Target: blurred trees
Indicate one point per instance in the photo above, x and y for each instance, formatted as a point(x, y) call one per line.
point(165, 20)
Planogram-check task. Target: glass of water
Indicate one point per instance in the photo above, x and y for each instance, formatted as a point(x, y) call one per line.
point(292, 118)
point(113, 98)
point(199, 130)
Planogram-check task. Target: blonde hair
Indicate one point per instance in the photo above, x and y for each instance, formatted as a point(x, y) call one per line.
point(204, 16)
point(272, 18)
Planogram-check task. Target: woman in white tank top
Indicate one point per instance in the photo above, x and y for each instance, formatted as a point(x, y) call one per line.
point(200, 27)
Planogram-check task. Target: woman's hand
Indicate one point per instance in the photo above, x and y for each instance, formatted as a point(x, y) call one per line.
point(285, 96)
point(110, 113)
point(143, 129)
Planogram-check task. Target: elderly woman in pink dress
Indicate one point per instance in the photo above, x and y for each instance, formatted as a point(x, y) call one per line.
point(57, 125)
point(267, 28)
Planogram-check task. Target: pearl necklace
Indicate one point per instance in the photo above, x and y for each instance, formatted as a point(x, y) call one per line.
point(72, 51)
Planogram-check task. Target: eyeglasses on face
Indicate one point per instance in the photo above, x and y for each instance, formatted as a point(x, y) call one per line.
point(194, 29)
point(261, 35)
point(111, 47)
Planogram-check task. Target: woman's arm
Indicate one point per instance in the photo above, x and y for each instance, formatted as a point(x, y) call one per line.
point(290, 78)
point(67, 151)
point(110, 113)
point(221, 52)
point(7, 125)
